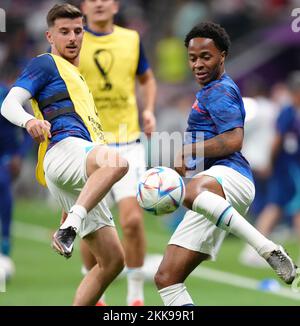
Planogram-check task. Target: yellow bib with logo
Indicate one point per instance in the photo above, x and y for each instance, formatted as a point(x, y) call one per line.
point(84, 105)
point(109, 65)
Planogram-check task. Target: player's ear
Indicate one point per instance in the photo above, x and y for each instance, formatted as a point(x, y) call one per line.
point(223, 56)
point(49, 37)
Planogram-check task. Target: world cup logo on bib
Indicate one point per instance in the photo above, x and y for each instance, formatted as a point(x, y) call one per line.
point(104, 60)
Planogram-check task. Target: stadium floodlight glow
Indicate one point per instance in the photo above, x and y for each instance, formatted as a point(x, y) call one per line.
point(2, 280)
point(2, 20)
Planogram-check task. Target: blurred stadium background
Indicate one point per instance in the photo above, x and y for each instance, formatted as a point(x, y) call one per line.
point(264, 52)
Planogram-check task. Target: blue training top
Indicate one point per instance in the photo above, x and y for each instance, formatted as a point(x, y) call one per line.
point(218, 108)
point(288, 126)
point(42, 79)
point(283, 185)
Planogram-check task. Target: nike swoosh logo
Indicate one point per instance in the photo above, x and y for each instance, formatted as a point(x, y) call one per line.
point(69, 248)
point(229, 220)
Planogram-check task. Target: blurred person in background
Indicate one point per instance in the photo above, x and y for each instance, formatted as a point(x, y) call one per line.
point(188, 14)
point(111, 59)
point(220, 195)
point(261, 113)
point(283, 172)
point(14, 145)
point(171, 64)
point(73, 162)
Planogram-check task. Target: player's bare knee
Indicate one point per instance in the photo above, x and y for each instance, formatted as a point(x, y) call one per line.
point(131, 225)
point(192, 191)
point(114, 262)
point(162, 279)
point(189, 198)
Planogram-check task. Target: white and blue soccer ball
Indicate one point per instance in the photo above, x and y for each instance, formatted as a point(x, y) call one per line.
point(160, 190)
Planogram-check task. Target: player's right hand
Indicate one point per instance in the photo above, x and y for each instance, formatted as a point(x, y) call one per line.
point(38, 129)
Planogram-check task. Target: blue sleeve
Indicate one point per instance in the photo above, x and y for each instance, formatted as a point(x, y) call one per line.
point(143, 64)
point(284, 121)
point(225, 108)
point(36, 74)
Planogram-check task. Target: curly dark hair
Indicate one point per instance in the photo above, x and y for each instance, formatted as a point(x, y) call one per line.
point(210, 30)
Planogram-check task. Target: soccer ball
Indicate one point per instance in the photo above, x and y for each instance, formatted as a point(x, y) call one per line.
point(160, 190)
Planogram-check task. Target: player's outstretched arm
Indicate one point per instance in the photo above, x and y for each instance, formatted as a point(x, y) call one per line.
point(12, 106)
point(221, 145)
point(12, 109)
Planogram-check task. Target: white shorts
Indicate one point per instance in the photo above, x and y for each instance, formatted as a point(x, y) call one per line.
point(197, 233)
point(65, 172)
point(134, 153)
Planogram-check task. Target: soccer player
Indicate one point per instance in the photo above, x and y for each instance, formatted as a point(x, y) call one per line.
point(13, 146)
point(110, 60)
point(218, 196)
point(77, 169)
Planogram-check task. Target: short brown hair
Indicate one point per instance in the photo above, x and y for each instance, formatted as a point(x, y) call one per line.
point(62, 11)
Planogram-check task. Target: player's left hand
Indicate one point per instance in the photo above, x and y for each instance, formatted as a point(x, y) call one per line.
point(149, 122)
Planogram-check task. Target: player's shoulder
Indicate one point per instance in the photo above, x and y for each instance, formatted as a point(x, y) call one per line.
point(126, 32)
point(224, 86)
point(44, 58)
point(44, 62)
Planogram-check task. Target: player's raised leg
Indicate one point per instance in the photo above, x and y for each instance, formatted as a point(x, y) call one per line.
point(205, 196)
point(103, 168)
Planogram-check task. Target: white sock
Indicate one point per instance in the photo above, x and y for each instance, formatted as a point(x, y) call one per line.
point(135, 285)
point(220, 212)
point(175, 295)
point(76, 214)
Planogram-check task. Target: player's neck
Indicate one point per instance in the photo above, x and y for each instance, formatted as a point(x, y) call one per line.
point(101, 27)
point(74, 61)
